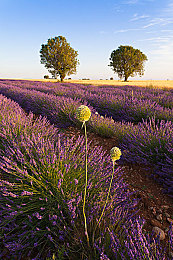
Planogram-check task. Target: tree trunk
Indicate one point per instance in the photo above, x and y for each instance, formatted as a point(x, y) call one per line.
point(62, 76)
point(125, 79)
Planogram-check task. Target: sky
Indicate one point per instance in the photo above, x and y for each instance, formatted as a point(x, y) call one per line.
point(94, 28)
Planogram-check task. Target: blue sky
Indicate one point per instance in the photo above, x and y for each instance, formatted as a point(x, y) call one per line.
point(92, 27)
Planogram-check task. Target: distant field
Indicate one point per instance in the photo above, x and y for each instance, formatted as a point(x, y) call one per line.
point(142, 83)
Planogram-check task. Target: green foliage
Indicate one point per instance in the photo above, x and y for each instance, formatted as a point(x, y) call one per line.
point(59, 57)
point(127, 61)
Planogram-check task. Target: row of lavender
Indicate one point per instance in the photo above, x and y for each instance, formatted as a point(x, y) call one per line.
point(162, 97)
point(149, 143)
point(41, 191)
point(130, 104)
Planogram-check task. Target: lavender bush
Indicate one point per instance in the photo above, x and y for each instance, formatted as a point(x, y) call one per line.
point(41, 188)
point(152, 143)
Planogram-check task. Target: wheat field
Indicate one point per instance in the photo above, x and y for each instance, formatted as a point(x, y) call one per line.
point(140, 83)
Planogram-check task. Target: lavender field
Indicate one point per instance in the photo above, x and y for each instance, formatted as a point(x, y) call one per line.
point(43, 172)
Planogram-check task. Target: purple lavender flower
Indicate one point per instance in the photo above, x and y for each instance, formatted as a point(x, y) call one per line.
point(37, 215)
point(50, 237)
point(26, 193)
point(76, 181)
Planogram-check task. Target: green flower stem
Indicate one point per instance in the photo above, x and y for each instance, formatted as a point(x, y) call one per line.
point(105, 202)
point(86, 180)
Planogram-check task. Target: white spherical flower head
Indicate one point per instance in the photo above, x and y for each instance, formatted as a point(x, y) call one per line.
point(83, 113)
point(115, 153)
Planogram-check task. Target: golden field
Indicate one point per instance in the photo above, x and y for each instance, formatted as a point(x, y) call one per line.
point(139, 83)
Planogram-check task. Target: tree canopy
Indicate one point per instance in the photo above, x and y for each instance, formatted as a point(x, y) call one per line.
point(127, 61)
point(59, 57)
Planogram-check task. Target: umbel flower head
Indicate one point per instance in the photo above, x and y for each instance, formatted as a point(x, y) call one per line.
point(83, 113)
point(115, 153)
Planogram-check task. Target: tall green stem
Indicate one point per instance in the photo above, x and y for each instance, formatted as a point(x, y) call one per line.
point(105, 202)
point(86, 181)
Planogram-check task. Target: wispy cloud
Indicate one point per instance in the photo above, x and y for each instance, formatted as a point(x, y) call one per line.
point(127, 30)
point(161, 47)
point(131, 2)
point(164, 50)
point(151, 32)
point(158, 39)
point(167, 31)
point(137, 17)
point(169, 8)
point(159, 21)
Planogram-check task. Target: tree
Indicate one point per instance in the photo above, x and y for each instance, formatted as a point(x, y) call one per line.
point(59, 57)
point(127, 61)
